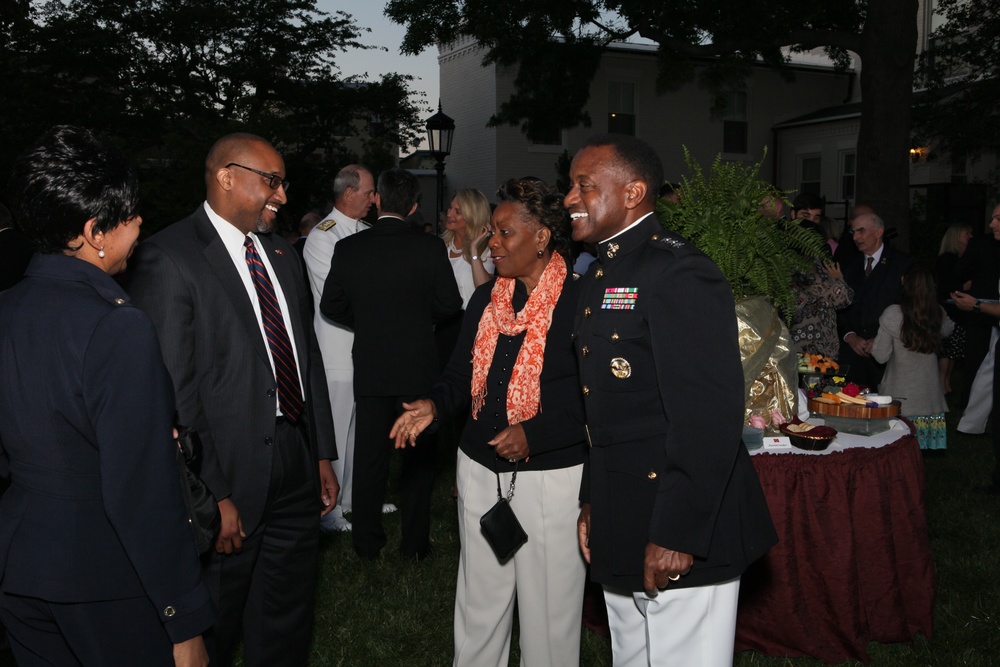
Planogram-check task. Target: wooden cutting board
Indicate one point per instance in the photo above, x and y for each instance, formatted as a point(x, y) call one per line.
point(855, 411)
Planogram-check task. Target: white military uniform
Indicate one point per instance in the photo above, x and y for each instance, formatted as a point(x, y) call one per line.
point(335, 342)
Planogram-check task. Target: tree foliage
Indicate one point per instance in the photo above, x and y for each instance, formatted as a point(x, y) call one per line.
point(167, 77)
point(725, 38)
point(960, 109)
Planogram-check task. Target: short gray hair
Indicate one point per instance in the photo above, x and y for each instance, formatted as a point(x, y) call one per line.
point(348, 177)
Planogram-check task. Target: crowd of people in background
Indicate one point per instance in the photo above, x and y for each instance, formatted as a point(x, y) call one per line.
point(562, 341)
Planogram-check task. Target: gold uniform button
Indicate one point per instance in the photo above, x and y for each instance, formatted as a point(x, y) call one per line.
point(586, 311)
point(656, 237)
point(169, 612)
point(621, 368)
point(615, 336)
point(599, 273)
point(585, 350)
point(119, 301)
point(652, 475)
point(586, 390)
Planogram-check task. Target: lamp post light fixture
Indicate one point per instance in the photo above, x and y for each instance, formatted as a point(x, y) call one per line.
point(440, 132)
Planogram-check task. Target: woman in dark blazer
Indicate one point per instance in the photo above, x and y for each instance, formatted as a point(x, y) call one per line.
point(97, 560)
point(515, 364)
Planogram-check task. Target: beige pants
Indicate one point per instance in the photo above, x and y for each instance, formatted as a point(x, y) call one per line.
point(546, 575)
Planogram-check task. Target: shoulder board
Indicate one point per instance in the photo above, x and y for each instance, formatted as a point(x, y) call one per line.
point(667, 241)
point(326, 225)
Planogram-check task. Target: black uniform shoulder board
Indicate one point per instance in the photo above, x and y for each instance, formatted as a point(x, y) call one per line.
point(666, 241)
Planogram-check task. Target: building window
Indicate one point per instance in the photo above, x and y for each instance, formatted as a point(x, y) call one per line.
point(734, 123)
point(959, 163)
point(848, 171)
point(545, 135)
point(621, 107)
point(810, 171)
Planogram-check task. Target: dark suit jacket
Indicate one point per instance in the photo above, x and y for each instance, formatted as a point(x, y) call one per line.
point(663, 391)
point(390, 284)
point(15, 251)
point(94, 512)
point(184, 279)
point(873, 294)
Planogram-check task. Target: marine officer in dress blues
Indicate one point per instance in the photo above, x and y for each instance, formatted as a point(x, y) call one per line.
point(672, 509)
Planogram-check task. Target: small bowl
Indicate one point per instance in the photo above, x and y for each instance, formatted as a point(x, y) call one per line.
point(811, 443)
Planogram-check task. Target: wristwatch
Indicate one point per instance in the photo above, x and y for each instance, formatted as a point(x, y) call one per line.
point(475, 257)
point(976, 307)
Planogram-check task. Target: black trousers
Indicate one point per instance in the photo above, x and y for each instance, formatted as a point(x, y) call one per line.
point(268, 589)
point(372, 447)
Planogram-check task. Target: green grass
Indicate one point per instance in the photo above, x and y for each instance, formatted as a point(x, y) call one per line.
point(391, 613)
point(394, 613)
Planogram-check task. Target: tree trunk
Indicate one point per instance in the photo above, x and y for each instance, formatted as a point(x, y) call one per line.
point(889, 44)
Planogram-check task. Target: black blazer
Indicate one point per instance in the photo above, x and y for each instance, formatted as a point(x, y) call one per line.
point(390, 284)
point(185, 280)
point(872, 295)
point(15, 251)
point(94, 511)
point(663, 391)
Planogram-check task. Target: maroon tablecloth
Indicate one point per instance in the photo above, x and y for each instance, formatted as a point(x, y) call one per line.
point(853, 563)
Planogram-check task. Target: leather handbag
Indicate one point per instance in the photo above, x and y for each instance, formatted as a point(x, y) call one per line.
point(500, 525)
point(202, 508)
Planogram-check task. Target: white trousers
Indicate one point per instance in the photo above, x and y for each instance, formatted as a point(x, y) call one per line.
point(977, 412)
point(546, 576)
point(682, 627)
point(342, 404)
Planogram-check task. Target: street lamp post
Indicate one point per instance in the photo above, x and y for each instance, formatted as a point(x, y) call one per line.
point(440, 131)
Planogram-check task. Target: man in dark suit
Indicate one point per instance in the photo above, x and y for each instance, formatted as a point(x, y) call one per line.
point(390, 284)
point(876, 276)
point(15, 251)
point(230, 308)
point(673, 512)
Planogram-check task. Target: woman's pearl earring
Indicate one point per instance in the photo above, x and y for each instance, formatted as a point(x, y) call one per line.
point(100, 253)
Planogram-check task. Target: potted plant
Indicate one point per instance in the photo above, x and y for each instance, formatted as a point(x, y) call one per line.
point(734, 217)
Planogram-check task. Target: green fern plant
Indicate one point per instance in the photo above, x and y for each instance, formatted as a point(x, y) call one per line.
point(724, 215)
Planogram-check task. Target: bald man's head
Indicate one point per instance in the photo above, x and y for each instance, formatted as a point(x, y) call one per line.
point(245, 182)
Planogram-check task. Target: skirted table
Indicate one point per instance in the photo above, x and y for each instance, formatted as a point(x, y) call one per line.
point(853, 563)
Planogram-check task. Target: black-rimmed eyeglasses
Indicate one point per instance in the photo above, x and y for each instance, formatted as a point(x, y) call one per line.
point(273, 180)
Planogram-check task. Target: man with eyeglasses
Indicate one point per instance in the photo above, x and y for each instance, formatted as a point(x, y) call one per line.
point(231, 311)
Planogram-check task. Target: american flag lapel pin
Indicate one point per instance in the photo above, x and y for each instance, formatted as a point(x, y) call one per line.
point(278, 251)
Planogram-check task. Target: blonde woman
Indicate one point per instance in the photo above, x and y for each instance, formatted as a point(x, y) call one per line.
point(466, 232)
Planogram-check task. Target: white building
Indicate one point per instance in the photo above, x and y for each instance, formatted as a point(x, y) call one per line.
point(809, 126)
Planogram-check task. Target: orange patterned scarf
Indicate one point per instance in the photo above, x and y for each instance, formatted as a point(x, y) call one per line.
point(524, 390)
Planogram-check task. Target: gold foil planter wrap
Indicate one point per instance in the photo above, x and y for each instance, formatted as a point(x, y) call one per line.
point(770, 377)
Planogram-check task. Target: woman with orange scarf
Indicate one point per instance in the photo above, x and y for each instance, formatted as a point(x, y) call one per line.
point(520, 381)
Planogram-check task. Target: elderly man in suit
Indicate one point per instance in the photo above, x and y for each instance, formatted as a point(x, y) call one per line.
point(353, 196)
point(231, 312)
point(672, 511)
point(875, 274)
point(390, 284)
